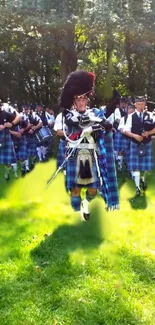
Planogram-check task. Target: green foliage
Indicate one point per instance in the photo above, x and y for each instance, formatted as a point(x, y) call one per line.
point(42, 41)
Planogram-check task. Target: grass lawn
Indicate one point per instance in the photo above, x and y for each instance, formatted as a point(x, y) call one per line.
point(56, 269)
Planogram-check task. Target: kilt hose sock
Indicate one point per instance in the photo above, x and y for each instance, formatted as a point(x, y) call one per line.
point(39, 153)
point(136, 177)
point(76, 202)
point(7, 170)
point(143, 176)
point(120, 161)
point(14, 166)
point(27, 164)
point(90, 197)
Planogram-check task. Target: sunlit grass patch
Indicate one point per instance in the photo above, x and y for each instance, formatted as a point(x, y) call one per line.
point(56, 269)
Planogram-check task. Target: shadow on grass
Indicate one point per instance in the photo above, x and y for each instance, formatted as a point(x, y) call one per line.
point(13, 225)
point(61, 292)
point(138, 202)
point(67, 238)
point(51, 289)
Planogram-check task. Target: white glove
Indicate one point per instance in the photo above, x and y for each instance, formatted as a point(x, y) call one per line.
point(94, 118)
point(86, 131)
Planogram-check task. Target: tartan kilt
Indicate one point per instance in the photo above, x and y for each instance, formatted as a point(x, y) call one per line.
point(61, 153)
point(31, 141)
point(135, 162)
point(118, 141)
point(7, 154)
point(108, 170)
point(22, 152)
point(71, 174)
point(126, 150)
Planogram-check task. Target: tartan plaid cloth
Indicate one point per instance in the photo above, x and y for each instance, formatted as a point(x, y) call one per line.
point(144, 163)
point(31, 141)
point(22, 152)
point(7, 154)
point(126, 150)
point(61, 153)
point(118, 141)
point(109, 190)
point(71, 173)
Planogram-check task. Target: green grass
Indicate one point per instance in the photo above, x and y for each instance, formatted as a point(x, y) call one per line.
point(56, 269)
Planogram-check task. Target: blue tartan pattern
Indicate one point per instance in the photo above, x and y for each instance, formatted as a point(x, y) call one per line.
point(71, 175)
point(7, 154)
point(109, 190)
point(126, 150)
point(22, 152)
point(118, 141)
point(31, 145)
point(135, 162)
point(61, 153)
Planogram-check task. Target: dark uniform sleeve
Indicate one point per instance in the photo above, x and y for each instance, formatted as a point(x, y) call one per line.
point(6, 117)
point(71, 119)
point(9, 117)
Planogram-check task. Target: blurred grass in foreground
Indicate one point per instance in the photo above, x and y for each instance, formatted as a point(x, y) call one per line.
point(57, 269)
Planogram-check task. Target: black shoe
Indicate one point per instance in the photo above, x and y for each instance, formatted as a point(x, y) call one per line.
point(32, 166)
point(137, 191)
point(45, 159)
point(23, 172)
point(143, 185)
point(119, 169)
point(86, 216)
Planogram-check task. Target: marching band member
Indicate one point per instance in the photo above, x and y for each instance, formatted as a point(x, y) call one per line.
point(49, 113)
point(125, 142)
point(35, 124)
point(9, 109)
point(139, 127)
point(20, 144)
point(7, 152)
point(118, 138)
point(83, 165)
point(42, 145)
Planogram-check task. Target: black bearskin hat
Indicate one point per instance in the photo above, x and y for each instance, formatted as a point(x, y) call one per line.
point(77, 83)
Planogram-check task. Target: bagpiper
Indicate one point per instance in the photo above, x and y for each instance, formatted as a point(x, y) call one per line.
point(139, 127)
point(86, 147)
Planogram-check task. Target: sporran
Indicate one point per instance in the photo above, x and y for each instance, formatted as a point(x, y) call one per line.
point(84, 167)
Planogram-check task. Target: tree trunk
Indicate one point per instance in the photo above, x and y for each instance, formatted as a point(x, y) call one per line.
point(68, 54)
point(131, 81)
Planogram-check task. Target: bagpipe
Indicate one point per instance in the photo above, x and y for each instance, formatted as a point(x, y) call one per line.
point(88, 123)
point(92, 121)
point(151, 106)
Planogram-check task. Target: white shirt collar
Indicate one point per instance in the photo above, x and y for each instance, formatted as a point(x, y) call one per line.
point(138, 113)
